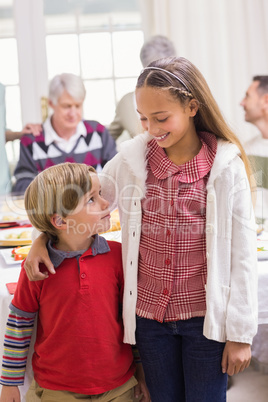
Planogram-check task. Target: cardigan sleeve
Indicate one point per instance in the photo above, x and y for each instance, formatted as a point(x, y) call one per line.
point(242, 310)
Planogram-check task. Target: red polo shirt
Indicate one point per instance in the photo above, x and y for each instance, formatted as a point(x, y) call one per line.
point(79, 345)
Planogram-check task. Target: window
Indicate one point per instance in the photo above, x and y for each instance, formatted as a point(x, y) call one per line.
point(99, 40)
point(9, 72)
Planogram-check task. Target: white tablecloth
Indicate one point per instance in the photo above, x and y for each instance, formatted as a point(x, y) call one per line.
point(10, 273)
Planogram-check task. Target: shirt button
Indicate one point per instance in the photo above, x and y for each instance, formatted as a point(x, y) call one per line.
point(167, 262)
point(209, 228)
point(168, 232)
point(165, 292)
point(83, 275)
point(172, 202)
point(210, 197)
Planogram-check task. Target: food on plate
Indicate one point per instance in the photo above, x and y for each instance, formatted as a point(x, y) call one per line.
point(261, 249)
point(13, 218)
point(8, 218)
point(26, 234)
point(12, 236)
point(19, 253)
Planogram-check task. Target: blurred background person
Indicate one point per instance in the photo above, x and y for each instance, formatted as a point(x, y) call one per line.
point(255, 104)
point(126, 116)
point(30, 128)
point(5, 173)
point(9, 135)
point(65, 136)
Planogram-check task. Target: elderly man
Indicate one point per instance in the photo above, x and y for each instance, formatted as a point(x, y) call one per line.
point(65, 136)
point(255, 105)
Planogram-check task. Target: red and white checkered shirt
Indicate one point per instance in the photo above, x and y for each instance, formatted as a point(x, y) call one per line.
point(172, 260)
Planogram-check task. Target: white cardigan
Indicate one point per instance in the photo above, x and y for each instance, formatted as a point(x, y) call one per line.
point(231, 289)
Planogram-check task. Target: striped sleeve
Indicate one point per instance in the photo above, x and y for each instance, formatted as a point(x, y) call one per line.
point(16, 346)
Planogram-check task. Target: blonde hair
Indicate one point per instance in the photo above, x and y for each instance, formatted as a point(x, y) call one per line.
point(56, 190)
point(189, 84)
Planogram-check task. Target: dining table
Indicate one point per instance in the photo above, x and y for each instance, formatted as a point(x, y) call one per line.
point(10, 271)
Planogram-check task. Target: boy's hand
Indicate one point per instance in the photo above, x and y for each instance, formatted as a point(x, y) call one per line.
point(141, 391)
point(236, 357)
point(10, 394)
point(38, 254)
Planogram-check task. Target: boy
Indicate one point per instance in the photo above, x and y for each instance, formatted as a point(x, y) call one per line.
point(79, 349)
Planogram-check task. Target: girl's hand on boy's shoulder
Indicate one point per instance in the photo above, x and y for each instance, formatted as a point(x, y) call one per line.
point(10, 394)
point(141, 391)
point(236, 357)
point(38, 254)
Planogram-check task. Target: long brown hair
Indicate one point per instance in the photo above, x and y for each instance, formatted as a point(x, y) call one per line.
point(185, 82)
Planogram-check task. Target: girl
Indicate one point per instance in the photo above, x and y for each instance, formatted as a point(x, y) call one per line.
point(188, 238)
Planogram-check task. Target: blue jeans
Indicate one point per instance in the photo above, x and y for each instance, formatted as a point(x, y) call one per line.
point(180, 363)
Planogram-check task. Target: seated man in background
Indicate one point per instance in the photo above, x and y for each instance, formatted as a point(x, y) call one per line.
point(126, 116)
point(255, 104)
point(65, 136)
point(9, 135)
point(5, 173)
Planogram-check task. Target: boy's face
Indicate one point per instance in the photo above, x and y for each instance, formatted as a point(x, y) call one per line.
point(91, 215)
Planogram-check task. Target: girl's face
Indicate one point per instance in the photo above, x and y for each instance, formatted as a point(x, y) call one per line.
point(170, 123)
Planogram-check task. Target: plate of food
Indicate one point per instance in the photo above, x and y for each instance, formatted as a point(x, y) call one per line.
point(14, 256)
point(11, 219)
point(16, 237)
point(262, 249)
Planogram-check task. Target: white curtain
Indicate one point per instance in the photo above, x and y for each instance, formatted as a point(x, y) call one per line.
point(226, 39)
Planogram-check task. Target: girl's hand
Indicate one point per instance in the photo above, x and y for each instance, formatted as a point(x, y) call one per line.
point(236, 357)
point(141, 388)
point(38, 254)
point(10, 394)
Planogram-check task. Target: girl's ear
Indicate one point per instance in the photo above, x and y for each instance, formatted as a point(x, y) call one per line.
point(58, 222)
point(193, 106)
